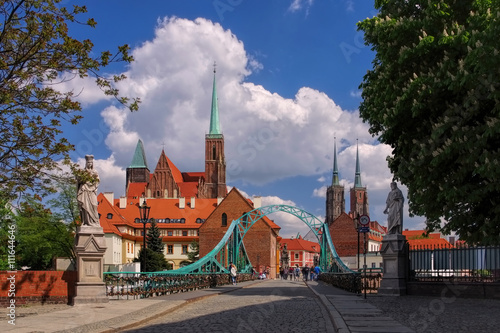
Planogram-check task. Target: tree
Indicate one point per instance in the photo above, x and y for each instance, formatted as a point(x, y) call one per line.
point(41, 236)
point(36, 55)
point(433, 96)
point(194, 254)
point(155, 261)
point(154, 240)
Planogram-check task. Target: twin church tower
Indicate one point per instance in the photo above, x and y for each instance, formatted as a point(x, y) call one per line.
point(168, 182)
point(335, 201)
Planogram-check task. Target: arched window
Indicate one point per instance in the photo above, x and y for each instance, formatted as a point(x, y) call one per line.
point(213, 153)
point(224, 220)
point(244, 220)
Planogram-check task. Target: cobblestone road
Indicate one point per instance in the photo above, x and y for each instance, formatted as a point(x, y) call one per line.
point(271, 306)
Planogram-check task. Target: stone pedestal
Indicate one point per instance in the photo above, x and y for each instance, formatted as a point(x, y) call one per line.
point(90, 246)
point(395, 259)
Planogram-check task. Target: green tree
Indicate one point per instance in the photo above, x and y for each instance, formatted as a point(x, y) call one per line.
point(154, 261)
point(194, 254)
point(41, 236)
point(154, 240)
point(36, 55)
point(433, 96)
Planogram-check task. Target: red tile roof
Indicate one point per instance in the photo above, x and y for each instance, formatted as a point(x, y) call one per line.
point(299, 244)
point(136, 190)
point(414, 234)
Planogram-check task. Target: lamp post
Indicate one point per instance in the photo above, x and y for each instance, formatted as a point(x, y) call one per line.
point(144, 214)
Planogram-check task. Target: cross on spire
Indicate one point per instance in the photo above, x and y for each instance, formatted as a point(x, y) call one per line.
point(215, 67)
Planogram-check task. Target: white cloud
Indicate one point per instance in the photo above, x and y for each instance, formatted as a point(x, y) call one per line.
point(290, 224)
point(320, 192)
point(267, 136)
point(355, 93)
point(321, 179)
point(297, 5)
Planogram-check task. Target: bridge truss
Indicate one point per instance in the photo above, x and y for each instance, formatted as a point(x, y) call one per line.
point(232, 249)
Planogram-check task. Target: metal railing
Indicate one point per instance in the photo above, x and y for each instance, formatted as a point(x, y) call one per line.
point(464, 263)
point(347, 281)
point(130, 285)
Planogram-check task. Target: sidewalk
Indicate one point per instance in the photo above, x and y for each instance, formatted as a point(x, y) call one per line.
point(115, 316)
point(352, 313)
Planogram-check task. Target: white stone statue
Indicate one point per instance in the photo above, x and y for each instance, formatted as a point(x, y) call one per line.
point(88, 181)
point(394, 209)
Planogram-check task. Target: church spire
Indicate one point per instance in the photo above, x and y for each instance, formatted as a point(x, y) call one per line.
point(357, 177)
point(214, 116)
point(139, 159)
point(335, 177)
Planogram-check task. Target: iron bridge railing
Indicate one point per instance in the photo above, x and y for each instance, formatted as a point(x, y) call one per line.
point(131, 285)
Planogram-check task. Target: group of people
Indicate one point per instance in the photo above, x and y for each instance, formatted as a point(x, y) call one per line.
point(308, 273)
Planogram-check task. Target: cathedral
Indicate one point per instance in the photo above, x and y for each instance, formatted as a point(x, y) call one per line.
point(335, 202)
point(167, 182)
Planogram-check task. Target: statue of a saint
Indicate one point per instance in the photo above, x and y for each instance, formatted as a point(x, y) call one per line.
point(394, 209)
point(88, 181)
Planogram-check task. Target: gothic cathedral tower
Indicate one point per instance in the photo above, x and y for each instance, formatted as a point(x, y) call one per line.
point(215, 162)
point(359, 196)
point(335, 201)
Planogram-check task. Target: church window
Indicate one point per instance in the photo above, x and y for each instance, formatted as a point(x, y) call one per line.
point(224, 220)
point(245, 220)
point(213, 152)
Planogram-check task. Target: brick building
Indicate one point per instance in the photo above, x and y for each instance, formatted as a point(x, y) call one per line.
point(260, 241)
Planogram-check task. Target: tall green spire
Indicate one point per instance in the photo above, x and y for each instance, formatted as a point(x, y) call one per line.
point(139, 159)
point(335, 177)
point(214, 117)
point(357, 177)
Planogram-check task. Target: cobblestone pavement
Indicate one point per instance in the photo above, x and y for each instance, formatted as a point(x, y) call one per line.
point(273, 306)
point(441, 315)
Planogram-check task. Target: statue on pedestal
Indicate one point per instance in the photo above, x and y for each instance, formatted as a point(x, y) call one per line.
point(394, 209)
point(88, 181)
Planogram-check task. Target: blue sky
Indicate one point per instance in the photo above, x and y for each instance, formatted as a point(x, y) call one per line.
point(288, 73)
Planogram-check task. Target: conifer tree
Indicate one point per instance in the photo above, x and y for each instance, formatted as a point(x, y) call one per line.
point(154, 240)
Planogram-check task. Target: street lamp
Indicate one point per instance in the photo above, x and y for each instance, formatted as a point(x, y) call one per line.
point(144, 214)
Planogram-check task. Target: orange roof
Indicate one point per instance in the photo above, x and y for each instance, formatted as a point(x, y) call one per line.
point(299, 244)
point(414, 234)
point(164, 210)
point(429, 243)
point(136, 189)
point(188, 189)
point(175, 172)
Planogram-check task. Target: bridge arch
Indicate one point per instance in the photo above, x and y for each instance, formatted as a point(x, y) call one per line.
point(232, 248)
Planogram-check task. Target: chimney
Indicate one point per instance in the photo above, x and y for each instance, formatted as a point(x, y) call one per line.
point(182, 203)
point(257, 202)
point(141, 200)
point(452, 240)
point(110, 196)
point(219, 200)
point(192, 202)
point(123, 202)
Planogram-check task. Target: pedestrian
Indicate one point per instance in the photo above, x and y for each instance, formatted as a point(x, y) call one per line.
point(297, 273)
point(233, 272)
point(317, 270)
point(305, 272)
point(281, 273)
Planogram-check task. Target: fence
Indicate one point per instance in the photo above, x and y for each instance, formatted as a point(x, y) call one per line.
point(465, 264)
point(130, 285)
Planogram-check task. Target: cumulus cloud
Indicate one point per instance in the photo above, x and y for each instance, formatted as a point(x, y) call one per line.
point(267, 136)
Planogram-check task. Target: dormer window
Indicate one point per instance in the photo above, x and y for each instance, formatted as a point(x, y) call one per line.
point(109, 216)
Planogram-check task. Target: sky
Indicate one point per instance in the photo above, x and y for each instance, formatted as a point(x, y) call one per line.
point(287, 74)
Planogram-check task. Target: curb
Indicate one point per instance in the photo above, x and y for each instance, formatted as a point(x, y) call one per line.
point(336, 318)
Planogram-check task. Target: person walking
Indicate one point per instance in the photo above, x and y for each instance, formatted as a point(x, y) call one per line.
point(233, 272)
point(317, 270)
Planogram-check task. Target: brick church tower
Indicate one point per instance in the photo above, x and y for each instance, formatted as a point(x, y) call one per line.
point(359, 196)
point(167, 181)
point(215, 162)
point(335, 201)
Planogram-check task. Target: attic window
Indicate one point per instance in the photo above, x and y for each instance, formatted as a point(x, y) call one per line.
point(109, 216)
